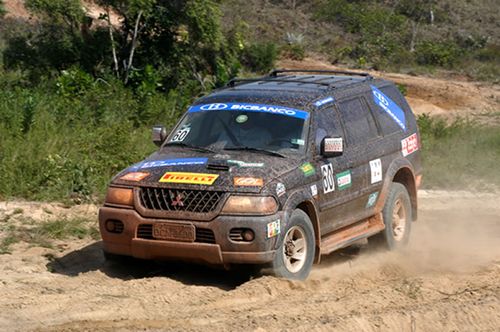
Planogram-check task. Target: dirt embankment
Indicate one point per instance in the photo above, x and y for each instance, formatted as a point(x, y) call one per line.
point(447, 280)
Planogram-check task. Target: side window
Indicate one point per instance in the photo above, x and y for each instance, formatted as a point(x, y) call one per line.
point(387, 123)
point(358, 121)
point(327, 124)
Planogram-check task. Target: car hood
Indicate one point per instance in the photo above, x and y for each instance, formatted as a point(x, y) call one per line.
point(168, 168)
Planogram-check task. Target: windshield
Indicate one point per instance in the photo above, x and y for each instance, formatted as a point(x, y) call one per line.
point(251, 127)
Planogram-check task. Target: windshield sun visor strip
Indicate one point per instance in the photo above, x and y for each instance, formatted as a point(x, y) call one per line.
point(247, 107)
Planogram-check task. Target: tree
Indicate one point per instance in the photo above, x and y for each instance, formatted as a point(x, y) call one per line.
point(417, 12)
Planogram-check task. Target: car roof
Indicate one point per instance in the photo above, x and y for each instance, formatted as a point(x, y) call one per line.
point(287, 88)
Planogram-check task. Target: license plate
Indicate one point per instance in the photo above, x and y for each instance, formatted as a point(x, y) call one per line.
point(185, 233)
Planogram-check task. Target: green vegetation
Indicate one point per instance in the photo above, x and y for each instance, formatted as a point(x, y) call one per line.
point(460, 155)
point(395, 34)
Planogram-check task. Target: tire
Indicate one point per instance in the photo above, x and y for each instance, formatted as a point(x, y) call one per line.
point(397, 216)
point(295, 254)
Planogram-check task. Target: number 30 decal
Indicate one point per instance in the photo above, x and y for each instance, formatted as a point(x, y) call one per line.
point(328, 180)
point(181, 135)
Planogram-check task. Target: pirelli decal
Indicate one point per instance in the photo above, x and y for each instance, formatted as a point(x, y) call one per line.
point(190, 178)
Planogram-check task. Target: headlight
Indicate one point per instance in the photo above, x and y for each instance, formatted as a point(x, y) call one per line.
point(120, 196)
point(250, 205)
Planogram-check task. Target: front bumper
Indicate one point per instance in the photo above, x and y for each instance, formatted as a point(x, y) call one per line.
point(221, 249)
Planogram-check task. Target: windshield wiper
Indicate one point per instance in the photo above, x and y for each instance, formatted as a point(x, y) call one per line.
point(248, 148)
point(189, 146)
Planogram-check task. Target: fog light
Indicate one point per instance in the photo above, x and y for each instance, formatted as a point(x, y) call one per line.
point(248, 235)
point(114, 226)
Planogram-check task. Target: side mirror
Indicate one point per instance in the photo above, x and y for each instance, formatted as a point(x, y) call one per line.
point(332, 146)
point(159, 135)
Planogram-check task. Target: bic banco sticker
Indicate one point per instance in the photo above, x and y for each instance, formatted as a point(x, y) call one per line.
point(271, 109)
point(390, 107)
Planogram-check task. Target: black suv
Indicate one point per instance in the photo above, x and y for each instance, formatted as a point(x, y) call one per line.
point(274, 171)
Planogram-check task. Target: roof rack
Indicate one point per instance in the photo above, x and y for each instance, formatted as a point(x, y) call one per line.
point(234, 81)
point(274, 77)
point(275, 72)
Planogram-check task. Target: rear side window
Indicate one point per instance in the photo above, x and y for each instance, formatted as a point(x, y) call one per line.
point(359, 123)
point(387, 124)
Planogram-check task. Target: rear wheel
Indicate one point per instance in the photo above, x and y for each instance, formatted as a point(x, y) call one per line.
point(295, 254)
point(397, 218)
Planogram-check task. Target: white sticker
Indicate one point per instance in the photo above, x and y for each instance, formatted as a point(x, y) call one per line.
point(242, 118)
point(181, 134)
point(280, 189)
point(376, 170)
point(314, 190)
point(334, 144)
point(298, 141)
point(273, 229)
point(409, 145)
point(328, 180)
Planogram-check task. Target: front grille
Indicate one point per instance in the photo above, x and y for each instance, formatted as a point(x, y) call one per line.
point(197, 201)
point(203, 235)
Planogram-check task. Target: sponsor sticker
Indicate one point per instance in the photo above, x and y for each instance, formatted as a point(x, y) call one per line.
point(174, 162)
point(314, 190)
point(241, 118)
point(335, 144)
point(240, 163)
point(307, 169)
point(328, 180)
point(280, 189)
point(390, 107)
point(376, 170)
point(190, 178)
point(272, 109)
point(344, 180)
point(372, 199)
point(409, 145)
point(273, 228)
point(322, 102)
point(248, 182)
point(181, 134)
point(298, 141)
point(135, 176)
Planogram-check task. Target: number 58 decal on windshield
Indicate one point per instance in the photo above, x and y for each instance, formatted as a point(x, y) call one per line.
point(328, 180)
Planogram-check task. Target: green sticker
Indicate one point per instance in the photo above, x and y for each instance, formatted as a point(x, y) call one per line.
point(372, 199)
point(241, 118)
point(245, 164)
point(344, 180)
point(308, 169)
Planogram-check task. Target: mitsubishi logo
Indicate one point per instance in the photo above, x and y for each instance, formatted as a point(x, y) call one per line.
point(177, 200)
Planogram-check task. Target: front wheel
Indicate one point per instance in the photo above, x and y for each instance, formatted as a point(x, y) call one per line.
point(295, 254)
point(397, 218)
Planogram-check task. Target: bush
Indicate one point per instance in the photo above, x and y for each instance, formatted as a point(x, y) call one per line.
point(432, 53)
point(260, 57)
point(56, 146)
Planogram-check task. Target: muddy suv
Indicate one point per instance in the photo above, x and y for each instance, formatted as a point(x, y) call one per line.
point(274, 171)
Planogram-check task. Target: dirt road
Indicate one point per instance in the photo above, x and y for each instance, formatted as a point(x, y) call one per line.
point(447, 280)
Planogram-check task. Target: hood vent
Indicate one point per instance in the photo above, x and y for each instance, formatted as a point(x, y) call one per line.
point(218, 166)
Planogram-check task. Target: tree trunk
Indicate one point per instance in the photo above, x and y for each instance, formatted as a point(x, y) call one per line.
point(132, 48)
point(113, 45)
point(414, 31)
